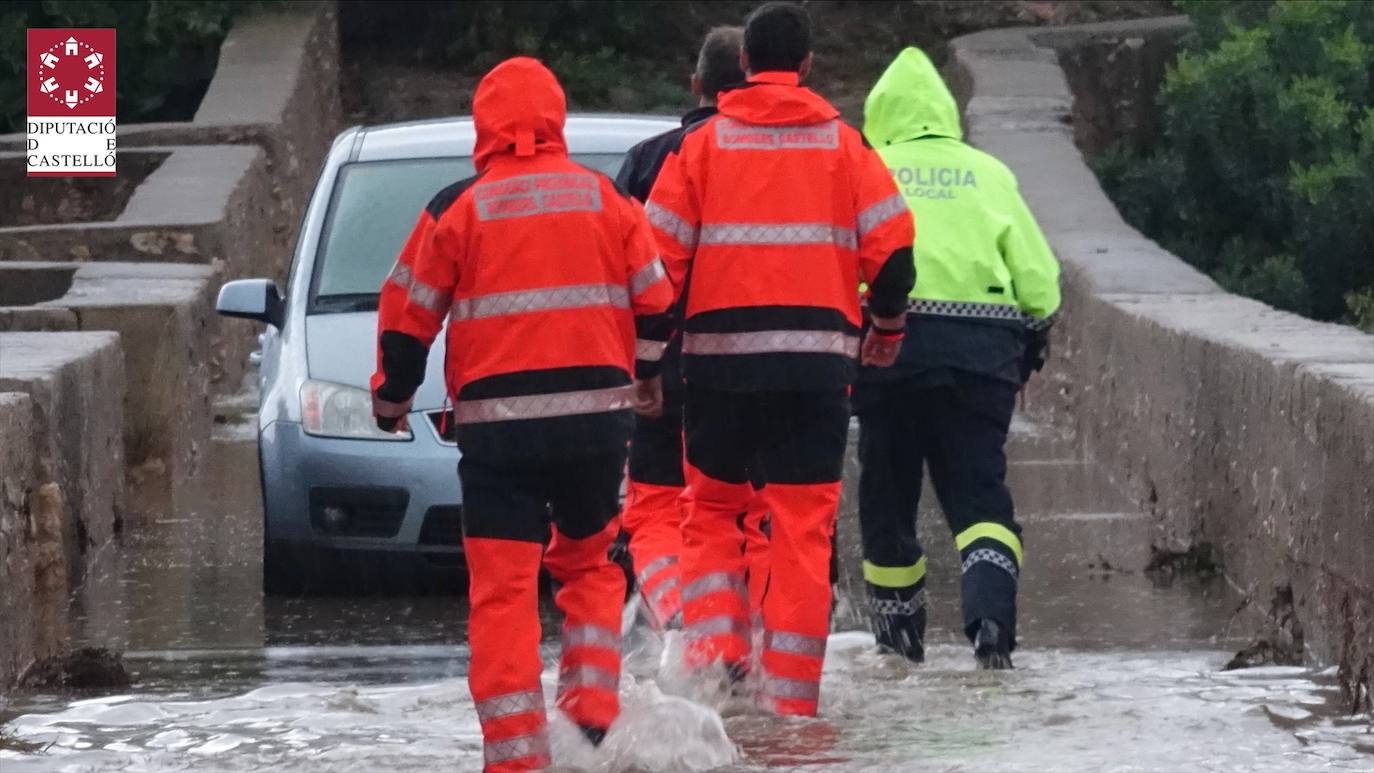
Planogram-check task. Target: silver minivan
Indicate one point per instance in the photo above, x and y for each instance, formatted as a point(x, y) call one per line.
point(341, 497)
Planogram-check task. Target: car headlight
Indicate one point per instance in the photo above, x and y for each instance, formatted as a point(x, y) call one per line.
point(335, 410)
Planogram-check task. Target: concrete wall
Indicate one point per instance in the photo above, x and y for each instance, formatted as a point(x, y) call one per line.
point(228, 193)
point(280, 71)
point(210, 205)
point(163, 314)
point(19, 638)
point(61, 481)
point(276, 87)
point(232, 184)
point(1236, 426)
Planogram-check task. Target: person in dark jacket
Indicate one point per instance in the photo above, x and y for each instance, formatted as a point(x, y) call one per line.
point(652, 516)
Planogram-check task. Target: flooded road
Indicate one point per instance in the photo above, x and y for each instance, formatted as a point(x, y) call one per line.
point(1117, 671)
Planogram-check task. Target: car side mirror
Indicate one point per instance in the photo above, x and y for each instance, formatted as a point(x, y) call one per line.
point(256, 299)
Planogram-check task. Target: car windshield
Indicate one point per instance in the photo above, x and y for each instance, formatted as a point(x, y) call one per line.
point(373, 208)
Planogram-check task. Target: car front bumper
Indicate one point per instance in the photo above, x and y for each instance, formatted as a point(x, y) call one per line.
point(394, 496)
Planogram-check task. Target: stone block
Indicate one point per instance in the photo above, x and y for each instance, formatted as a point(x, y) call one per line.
point(239, 176)
point(164, 315)
point(22, 636)
point(209, 205)
point(74, 382)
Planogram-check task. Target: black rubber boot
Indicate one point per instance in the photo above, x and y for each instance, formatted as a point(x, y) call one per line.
point(736, 678)
point(899, 620)
point(992, 646)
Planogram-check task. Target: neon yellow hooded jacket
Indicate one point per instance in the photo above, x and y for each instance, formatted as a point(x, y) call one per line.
point(979, 253)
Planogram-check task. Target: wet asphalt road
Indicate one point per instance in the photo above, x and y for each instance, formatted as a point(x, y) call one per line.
point(1117, 671)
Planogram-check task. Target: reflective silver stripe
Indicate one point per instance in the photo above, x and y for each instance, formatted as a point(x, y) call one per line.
point(782, 233)
point(1041, 324)
point(650, 351)
point(974, 310)
point(980, 311)
point(665, 219)
point(794, 644)
point(591, 677)
point(655, 566)
point(899, 607)
point(647, 277)
point(718, 626)
point(880, 213)
point(542, 406)
point(545, 299)
point(660, 590)
point(534, 745)
point(990, 556)
point(421, 294)
point(714, 583)
point(509, 704)
point(535, 194)
point(772, 341)
point(965, 309)
point(590, 636)
point(737, 135)
point(794, 689)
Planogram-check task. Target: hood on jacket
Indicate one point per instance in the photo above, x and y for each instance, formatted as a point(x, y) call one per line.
point(776, 98)
point(910, 100)
point(519, 108)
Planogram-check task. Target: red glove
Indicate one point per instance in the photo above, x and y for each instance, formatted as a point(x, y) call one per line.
point(881, 346)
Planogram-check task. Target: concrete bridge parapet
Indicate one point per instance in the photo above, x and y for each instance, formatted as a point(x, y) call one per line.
point(1240, 429)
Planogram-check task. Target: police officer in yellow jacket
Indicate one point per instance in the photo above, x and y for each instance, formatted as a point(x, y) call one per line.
point(987, 288)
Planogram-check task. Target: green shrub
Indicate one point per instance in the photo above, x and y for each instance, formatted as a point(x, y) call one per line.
point(1361, 305)
point(167, 50)
point(1264, 175)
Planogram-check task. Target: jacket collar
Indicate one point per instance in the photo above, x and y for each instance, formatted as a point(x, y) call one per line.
point(698, 114)
point(776, 77)
point(776, 99)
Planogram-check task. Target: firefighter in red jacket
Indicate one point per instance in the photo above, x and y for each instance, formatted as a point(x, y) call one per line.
point(652, 498)
point(773, 212)
point(544, 270)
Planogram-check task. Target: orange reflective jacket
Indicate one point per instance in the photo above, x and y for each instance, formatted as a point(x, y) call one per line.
point(539, 265)
point(771, 213)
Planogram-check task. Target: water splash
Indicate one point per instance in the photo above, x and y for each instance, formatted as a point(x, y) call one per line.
point(1062, 709)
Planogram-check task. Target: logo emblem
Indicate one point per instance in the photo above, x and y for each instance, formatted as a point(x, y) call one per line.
point(71, 97)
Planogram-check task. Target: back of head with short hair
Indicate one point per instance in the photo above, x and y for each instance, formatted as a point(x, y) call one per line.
point(718, 62)
point(777, 36)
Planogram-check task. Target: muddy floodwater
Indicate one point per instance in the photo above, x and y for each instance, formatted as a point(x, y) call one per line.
point(1116, 671)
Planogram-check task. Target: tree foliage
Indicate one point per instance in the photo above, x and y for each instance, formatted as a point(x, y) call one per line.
point(599, 48)
point(1264, 174)
point(167, 50)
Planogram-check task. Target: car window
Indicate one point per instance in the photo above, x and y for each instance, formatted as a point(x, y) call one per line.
point(374, 207)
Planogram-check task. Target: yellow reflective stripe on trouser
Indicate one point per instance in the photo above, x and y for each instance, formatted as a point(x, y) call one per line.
point(895, 576)
point(994, 531)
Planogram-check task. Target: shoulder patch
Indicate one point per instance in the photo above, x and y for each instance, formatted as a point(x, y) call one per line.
point(444, 199)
